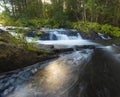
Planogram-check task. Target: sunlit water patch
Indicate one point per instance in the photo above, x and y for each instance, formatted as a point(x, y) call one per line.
point(56, 78)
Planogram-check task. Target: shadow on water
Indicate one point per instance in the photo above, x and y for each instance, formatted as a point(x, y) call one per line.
point(101, 77)
point(57, 78)
point(66, 76)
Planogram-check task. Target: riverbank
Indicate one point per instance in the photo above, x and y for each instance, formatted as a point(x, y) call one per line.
point(14, 54)
point(17, 53)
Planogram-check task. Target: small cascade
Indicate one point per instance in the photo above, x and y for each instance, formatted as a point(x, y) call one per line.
point(58, 36)
point(62, 39)
point(51, 36)
point(105, 37)
point(79, 36)
point(64, 35)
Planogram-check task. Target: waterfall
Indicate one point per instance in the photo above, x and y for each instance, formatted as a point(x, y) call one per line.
point(102, 36)
point(62, 38)
point(79, 36)
point(64, 35)
point(58, 36)
point(51, 36)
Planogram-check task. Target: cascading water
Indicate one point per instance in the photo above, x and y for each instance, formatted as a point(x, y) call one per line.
point(64, 35)
point(84, 73)
point(56, 79)
point(102, 36)
point(58, 36)
point(61, 38)
point(79, 36)
point(101, 77)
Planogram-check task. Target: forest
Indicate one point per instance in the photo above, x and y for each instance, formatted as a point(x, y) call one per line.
point(59, 48)
point(100, 15)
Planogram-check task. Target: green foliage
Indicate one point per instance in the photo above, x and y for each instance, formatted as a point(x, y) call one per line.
point(106, 29)
point(26, 22)
point(37, 38)
point(86, 26)
point(115, 31)
point(37, 23)
point(20, 30)
point(1, 18)
point(47, 23)
point(31, 47)
point(2, 39)
point(81, 26)
point(20, 41)
point(95, 26)
point(38, 13)
point(60, 13)
point(111, 30)
point(39, 32)
point(9, 21)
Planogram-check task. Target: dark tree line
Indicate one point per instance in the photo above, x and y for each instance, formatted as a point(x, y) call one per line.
point(101, 11)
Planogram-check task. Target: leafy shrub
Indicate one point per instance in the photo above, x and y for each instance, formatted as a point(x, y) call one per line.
point(21, 30)
point(94, 26)
point(36, 23)
point(81, 26)
point(105, 29)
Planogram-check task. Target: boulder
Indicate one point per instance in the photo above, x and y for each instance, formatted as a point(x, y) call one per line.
point(13, 57)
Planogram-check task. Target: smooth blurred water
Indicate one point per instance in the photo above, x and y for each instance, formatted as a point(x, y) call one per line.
point(57, 78)
point(62, 38)
point(84, 73)
point(66, 43)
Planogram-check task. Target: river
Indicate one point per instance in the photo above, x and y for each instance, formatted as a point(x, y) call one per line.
point(87, 72)
point(53, 79)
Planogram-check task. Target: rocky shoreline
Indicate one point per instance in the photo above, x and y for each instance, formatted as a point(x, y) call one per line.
point(13, 57)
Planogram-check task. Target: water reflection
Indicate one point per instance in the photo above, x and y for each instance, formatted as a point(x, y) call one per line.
point(56, 75)
point(55, 79)
point(68, 76)
point(101, 77)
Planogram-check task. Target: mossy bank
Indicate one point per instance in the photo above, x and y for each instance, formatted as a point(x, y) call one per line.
point(15, 54)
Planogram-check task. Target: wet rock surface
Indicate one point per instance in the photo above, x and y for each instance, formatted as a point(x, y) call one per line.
point(56, 79)
point(12, 57)
point(69, 76)
point(96, 35)
point(9, 81)
point(80, 74)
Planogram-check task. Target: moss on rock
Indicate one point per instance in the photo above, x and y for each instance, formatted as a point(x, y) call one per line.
point(13, 55)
